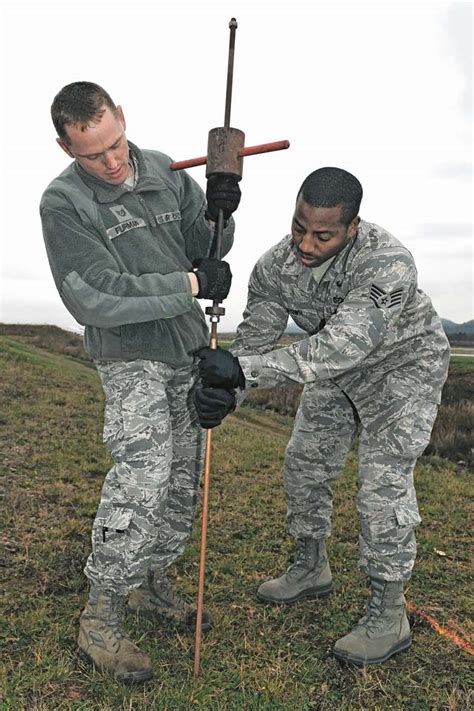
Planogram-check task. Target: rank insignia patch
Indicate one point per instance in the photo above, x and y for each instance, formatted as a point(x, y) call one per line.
point(120, 212)
point(385, 299)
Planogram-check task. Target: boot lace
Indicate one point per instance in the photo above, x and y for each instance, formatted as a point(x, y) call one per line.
point(164, 591)
point(114, 616)
point(373, 621)
point(305, 559)
point(380, 596)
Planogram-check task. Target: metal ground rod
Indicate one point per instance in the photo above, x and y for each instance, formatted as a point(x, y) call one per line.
point(230, 71)
point(215, 312)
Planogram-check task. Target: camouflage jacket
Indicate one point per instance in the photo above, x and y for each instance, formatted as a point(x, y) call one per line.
point(368, 324)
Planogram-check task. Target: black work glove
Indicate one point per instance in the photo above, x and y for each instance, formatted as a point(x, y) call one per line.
point(222, 193)
point(212, 405)
point(214, 278)
point(218, 368)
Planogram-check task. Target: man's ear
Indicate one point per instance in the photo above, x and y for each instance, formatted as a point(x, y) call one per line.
point(353, 227)
point(121, 117)
point(65, 147)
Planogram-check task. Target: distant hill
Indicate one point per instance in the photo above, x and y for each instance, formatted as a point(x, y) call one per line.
point(51, 338)
point(58, 340)
point(451, 327)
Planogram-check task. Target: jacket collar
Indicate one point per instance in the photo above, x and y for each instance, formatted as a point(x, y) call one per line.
point(305, 282)
point(104, 192)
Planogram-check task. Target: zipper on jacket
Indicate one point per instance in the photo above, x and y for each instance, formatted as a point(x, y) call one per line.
point(148, 212)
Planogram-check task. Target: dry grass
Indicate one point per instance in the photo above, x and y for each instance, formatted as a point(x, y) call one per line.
point(257, 657)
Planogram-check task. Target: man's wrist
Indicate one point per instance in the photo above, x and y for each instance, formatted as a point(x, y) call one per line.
point(212, 222)
point(193, 280)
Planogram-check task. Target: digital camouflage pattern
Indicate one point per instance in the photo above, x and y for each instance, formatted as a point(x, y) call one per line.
point(324, 429)
point(374, 362)
point(146, 512)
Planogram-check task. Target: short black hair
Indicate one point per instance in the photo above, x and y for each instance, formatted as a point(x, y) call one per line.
point(330, 187)
point(79, 103)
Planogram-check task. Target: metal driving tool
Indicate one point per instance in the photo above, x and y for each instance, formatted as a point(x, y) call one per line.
point(225, 154)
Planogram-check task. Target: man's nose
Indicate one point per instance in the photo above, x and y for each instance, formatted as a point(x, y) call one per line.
point(306, 244)
point(110, 160)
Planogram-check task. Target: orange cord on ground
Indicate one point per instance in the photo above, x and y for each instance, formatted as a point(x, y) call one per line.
point(450, 634)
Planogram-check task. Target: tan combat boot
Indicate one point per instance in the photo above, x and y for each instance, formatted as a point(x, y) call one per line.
point(309, 576)
point(383, 631)
point(103, 641)
point(156, 597)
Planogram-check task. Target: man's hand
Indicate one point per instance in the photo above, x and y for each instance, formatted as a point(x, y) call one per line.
point(220, 369)
point(212, 405)
point(214, 278)
point(222, 193)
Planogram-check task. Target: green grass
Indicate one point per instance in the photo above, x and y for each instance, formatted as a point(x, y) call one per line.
point(257, 657)
point(465, 365)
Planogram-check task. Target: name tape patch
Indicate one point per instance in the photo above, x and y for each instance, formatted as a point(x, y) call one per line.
point(168, 217)
point(126, 226)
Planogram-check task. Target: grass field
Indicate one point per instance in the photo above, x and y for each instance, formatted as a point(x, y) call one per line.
point(257, 657)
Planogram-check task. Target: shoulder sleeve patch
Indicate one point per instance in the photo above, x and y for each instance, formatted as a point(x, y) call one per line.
point(385, 299)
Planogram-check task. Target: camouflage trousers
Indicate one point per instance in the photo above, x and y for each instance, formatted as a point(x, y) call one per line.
point(147, 506)
point(389, 445)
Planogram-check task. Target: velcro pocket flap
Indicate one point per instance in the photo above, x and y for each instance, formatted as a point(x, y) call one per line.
point(119, 519)
point(406, 517)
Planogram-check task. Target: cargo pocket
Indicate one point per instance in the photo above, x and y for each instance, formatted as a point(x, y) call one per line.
point(407, 517)
point(390, 530)
point(120, 547)
point(111, 528)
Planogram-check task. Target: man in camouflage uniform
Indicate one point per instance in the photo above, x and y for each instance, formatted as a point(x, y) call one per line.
point(123, 233)
point(374, 362)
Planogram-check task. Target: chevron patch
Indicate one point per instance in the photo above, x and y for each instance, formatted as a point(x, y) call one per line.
point(385, 299)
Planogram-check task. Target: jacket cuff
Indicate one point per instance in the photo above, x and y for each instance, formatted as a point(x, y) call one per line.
point(252, 367)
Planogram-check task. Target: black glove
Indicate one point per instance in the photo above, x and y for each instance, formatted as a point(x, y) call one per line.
point(218, 368)
point(214, 278)
point(212, 405)
point(222, 193)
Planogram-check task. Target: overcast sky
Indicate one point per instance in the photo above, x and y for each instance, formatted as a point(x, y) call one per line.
point(382, 89)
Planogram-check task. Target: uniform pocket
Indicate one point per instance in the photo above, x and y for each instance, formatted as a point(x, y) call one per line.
point(390, 525)
point(406, 517)
point(110, 529)
point(118, 520)
point(120, 535)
